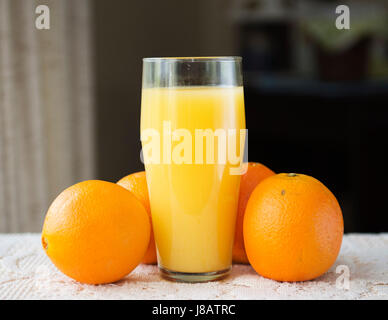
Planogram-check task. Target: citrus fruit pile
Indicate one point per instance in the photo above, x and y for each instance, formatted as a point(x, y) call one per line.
point(289, 227)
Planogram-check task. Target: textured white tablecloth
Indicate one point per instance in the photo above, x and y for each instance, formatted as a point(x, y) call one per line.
point(26, 273)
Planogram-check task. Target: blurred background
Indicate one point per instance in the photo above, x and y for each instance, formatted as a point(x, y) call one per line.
point(316, 97)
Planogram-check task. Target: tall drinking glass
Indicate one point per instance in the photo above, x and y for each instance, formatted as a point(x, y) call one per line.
point(193, 134)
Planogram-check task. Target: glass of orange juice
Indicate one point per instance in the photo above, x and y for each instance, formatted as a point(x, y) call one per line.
point(193, 136)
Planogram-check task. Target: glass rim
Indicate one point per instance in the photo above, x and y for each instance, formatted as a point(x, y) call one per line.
point(194, 59)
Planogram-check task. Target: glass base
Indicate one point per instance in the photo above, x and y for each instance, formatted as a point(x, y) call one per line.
point(193, 277)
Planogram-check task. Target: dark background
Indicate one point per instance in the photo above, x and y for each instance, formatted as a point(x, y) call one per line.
point(310, 109)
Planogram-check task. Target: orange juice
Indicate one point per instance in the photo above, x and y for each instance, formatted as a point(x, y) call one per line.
point(193, 202)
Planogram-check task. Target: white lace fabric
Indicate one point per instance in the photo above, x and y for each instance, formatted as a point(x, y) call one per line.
point(27, 273)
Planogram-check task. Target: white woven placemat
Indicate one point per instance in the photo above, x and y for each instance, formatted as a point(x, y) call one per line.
point(26, 273)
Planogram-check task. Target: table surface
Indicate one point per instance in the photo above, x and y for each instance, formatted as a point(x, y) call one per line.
point(27, 273)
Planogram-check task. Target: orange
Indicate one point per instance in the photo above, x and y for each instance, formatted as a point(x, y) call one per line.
point(255, 174)
point(96, 232)
point(293, 228)
point(137, 184)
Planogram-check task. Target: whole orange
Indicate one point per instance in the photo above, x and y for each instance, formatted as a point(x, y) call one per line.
point(137, 184)
point(255, 174)
point(293, 228)
point(96, 232)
